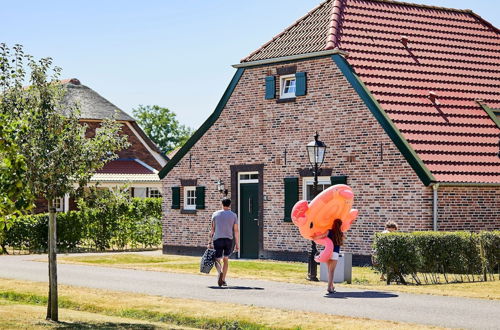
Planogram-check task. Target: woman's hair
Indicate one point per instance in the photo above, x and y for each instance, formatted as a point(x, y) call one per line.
point(338, 236)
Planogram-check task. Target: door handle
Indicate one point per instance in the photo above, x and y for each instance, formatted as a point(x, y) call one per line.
point(256, 219)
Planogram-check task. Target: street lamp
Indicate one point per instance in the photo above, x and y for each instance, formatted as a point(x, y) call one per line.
point(316, 152)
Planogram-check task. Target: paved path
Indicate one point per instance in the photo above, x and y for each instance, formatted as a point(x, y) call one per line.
point(421, 309)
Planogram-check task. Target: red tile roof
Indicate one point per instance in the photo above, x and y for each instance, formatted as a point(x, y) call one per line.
point(125, 166)
point(452, 53)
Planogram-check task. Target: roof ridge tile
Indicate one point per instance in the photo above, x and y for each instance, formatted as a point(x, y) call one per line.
point(332, 39)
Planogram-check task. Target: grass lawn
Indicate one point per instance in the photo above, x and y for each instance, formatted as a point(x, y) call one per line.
point(22, 305)
point(293, 272)
point(19, 316)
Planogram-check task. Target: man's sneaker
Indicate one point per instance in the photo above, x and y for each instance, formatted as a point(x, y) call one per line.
point(220, 282)
point(224, 283)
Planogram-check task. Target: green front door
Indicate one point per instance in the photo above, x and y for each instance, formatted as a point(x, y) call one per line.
point(249, 220)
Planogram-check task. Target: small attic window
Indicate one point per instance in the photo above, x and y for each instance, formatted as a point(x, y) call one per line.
point(287, 86)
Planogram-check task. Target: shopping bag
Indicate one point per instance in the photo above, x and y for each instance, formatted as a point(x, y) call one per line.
point(207, 261)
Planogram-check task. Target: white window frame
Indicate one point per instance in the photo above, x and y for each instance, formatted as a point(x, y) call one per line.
point(150, 190)
point(186, 198)
point(309, 181)
point(283, 80)
point(60, 207)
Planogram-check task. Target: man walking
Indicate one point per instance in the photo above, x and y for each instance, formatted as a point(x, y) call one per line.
point(224, 222)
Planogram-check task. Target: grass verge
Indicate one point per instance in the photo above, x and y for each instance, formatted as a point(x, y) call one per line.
point(292, 272)
point(181, 312)
point(19, 316)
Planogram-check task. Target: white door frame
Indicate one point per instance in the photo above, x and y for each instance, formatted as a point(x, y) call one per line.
point(240, 181)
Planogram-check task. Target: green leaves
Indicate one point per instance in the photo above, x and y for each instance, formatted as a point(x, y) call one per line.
point(162, 127)
point(44, 131)
point(103, 221)
point(428, 256)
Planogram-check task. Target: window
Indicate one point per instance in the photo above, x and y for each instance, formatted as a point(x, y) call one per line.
point(59, 204)
point(254, 176)
point(308, 182)
point(189, 198)
point(140, 192)
point(154, 193)
point(287, 86)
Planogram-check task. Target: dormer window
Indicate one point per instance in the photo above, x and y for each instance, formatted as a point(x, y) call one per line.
point(287, 86)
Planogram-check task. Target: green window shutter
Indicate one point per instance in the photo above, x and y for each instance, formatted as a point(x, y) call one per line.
point(270, 87)
point(339, 179)
point(301, 84)
point(291, 196)
point(176, 197)
point(200, 198)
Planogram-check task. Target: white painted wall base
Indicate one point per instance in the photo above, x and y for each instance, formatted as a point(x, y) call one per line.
point(343, 270)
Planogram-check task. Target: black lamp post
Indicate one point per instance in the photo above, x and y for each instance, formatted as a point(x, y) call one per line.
point(316, 152)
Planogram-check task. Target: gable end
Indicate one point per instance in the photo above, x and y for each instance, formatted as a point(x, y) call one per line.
point(204, 127)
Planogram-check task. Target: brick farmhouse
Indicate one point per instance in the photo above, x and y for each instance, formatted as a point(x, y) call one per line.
point(137, 166)
point(406, 97)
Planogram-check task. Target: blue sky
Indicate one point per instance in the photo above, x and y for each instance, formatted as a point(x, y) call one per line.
point(174, 53)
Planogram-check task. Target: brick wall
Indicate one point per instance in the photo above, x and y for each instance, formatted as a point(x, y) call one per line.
point(469, 208)
point(136, 149)
point(252, 130)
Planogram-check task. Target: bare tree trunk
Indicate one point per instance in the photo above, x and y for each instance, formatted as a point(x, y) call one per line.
point(52, 307)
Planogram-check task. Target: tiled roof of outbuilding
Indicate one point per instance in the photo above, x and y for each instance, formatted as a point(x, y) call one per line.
point(426, 66)
point(127, 166)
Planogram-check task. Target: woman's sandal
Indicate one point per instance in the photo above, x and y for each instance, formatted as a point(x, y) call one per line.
point(331, 291)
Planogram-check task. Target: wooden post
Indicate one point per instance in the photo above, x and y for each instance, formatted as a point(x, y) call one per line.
point(52, 307)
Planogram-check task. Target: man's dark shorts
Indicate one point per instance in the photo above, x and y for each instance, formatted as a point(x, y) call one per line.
point(223, 246)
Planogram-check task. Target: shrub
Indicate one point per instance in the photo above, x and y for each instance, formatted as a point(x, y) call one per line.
point(431, 255)
point(105, 221)
point(490, 252)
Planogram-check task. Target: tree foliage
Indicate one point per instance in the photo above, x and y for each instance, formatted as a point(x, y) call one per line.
point(15, 197)
point(161, 125)
point(54, 141)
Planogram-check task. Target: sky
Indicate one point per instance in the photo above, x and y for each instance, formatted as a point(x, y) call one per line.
point(173, 53)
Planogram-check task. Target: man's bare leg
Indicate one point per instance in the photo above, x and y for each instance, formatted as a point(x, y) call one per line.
point(225, 267)
point(218, 265)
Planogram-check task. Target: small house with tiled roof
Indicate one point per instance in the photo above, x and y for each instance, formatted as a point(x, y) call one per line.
point(137, 166)
point(406, 97)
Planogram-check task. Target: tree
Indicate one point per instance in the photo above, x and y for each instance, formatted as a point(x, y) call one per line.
point(162, 127)
point(15, 197)
point(60, 156)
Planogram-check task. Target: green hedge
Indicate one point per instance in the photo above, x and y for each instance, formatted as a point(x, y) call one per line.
point(432, 256)
point(129, 223)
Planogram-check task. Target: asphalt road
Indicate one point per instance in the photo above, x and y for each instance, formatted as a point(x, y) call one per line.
point(421, 309)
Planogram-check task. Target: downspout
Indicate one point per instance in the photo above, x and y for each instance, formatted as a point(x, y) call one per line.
point(435, 187)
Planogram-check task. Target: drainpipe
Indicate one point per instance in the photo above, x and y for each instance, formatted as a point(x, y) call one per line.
point(435, 187)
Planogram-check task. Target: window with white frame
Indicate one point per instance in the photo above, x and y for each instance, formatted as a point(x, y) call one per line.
point(308, 183)
point(189, 198)
point(59, 204)
point(287, 86)
point(154, 193)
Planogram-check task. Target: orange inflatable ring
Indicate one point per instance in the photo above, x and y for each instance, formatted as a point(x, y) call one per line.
point(314, 219)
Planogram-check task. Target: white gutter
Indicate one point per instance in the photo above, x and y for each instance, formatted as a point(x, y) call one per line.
point(290, 58)
point(435, 187)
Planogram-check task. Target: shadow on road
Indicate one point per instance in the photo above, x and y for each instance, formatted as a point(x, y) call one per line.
point(364, 294)
point(235, 288)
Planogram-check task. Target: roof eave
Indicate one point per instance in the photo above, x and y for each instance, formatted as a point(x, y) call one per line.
point(466, 184)
point(327, 52)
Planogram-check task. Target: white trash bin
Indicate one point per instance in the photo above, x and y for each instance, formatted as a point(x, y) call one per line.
point(343, 270)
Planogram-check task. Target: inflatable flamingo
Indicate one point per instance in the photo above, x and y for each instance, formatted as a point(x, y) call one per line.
point(316, 218)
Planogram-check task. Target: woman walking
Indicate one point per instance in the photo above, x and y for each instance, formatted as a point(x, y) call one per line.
point(337, 237)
